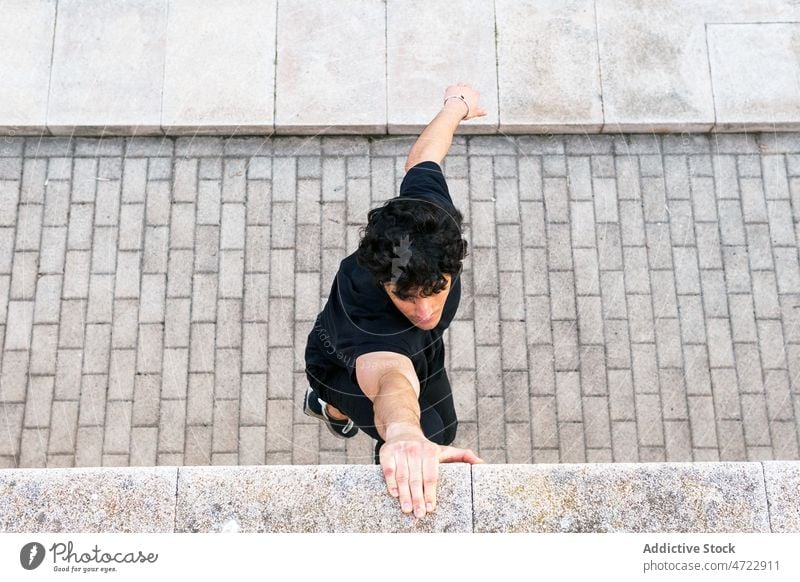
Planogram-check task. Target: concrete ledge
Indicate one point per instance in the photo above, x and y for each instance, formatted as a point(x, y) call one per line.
point(90, 500)
point(232, 67)
point(612, 497)
point(621, 497)
point(325, 498)
point(783, 494)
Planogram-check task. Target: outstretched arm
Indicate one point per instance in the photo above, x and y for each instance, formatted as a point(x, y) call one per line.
point(434, 142)
point(410, 461)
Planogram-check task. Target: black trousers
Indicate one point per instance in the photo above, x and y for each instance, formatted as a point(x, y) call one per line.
point(437, 411)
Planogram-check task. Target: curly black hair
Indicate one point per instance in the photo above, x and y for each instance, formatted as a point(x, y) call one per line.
point(412, 243)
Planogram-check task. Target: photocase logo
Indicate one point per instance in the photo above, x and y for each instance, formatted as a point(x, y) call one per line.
point(403, 254)
point(31, 555)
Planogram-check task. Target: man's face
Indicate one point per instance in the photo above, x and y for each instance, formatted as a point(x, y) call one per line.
point(423, 312)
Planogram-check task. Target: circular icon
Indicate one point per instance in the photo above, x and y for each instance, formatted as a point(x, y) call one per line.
point(31, 555)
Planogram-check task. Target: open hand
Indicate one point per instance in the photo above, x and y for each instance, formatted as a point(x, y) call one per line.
point(410, 466)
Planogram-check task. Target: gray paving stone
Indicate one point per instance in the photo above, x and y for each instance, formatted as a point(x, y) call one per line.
point(33, 447)
point(636, 272)
point(279, 425)
point(29, 225)
point(673, 394)
point(649, 419)
point(571, 440)
point(143, 446)
point(725, 391)
point(88, 447)
point(701, 418)
point(621, 396)
point(118, 427)
point(785, 439)
point(787, 270)
point(659, 249)
point(765, 294)
point(754, 410)
point(692, 321)
point(101, 299)
point(753, 201)
point(19, 325)
point(64, 424)
point(227, 367)
point(491, 428)
point(590, 320)
point(172, 426)
point(131, 230)
point(597, 421)
point(24, 275)
point(562, 295)
point(556, 200)
point(678, 447)
point(630, 321)
point(681, 223)
point(779, 400)
point(565, 345)
point(38, 402)
point(145, 399)
point(83, 172)
point(175, 373)
point(771, 344)
point(686, 143)
point(488, 374)
point(748, 367)
point(559, 251)
point(709, 251)
point(697, 372)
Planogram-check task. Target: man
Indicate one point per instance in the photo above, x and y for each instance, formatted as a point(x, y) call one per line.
point(375, 357)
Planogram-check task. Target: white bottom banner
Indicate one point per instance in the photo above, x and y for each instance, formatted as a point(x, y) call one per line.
point(388, 557)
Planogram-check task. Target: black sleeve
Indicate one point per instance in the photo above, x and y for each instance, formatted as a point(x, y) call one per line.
point(426, 180)
point(365, 348)
point(373, 334)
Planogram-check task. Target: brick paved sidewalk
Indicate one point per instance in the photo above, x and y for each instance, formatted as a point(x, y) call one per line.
point(626, 298)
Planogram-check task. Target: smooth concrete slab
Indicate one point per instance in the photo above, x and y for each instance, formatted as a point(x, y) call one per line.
point(372, 67)
point(26, 45)
point(783, 493)
point(755, 72)
point(331, 67)
point(655, 63)
point(435, 44)
point(548, 70)
point(751, 12)
point(654, 67)
point(620, 497)
point(319, 498)
point(108, 68)
point(219, 73)
point(124, 500)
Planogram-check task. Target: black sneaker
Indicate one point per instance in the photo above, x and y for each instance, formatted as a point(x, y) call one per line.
point(315, 407)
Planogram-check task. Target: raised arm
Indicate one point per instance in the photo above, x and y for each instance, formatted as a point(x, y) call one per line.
point(434, 142)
